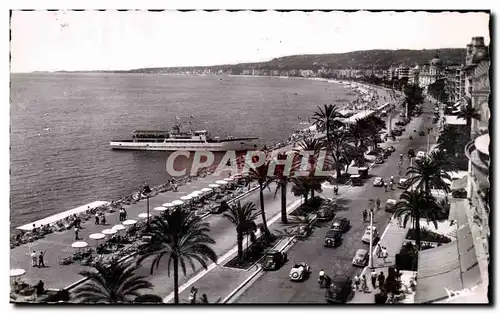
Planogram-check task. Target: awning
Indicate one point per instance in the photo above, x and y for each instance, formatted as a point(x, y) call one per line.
point(482, 144)
point(452, 266)
point(453, 120)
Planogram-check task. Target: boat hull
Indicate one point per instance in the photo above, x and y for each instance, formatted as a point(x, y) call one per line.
point(221, 146)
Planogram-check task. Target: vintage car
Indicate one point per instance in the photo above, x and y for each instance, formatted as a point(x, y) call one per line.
point(341, 224)
point(379, 160)
point(421, 133)
point(366, 235)
point(403, 183)
point(361, 258)
point(299, 272)
point(333, 238)
point(340, 289)
point(356, 180)
point(391, 148)
point(325, 214)
point(302, 231)
point(389, 205)
point(273, 260)
point(378, 182)
point(420, 155)
point(363, 171)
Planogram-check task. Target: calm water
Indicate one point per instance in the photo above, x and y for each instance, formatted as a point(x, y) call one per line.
point(71, 164)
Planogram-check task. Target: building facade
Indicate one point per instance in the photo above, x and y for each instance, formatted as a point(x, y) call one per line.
point(431, 72)
point(477, 91)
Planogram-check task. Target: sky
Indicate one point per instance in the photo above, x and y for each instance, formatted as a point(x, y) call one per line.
point(112, 40)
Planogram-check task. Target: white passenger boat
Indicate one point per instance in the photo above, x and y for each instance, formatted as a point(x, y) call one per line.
point(176, 140)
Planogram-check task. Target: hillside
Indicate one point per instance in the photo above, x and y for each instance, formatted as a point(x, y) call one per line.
point(379, 59)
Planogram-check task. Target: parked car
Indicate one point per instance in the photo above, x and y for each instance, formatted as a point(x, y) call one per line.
point(378, 182)
point(389, 205)
point(273, 260)
point(397, 132)
point(420, 155)
point(391, 148)
point(341, 224)
point(421, 133)
point(400, 123)
point(340, 289)
point(325, 214)
point(356, 180)
point(299, 272)
point(361, 258)
point(368, 232)
point(303, 231)
point(379, 160)
point(403, 183)
point(333, 238)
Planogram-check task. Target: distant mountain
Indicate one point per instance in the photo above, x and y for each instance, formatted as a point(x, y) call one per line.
point(368, 59)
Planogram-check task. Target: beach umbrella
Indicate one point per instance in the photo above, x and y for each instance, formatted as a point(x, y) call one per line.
point(228, 179)
point(79, 244)
point(118, 227)
point(109, 231)
point(221, 182)
point(16, 272)
point(177, 202)
point(213, 185)
point(168, 205)
point(160, 208)
point(144, 215)
point(129, 222)
point(186, 198)
point(97, 236)
point(206, 189)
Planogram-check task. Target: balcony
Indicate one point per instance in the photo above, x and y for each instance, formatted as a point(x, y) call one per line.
point(477, 152)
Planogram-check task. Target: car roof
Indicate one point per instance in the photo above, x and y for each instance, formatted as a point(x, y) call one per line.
point(361, 251)
point(338, 219)
point(273, 252)
point(333, 232)
point(378, 178)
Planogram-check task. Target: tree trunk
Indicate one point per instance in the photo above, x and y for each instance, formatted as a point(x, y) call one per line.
point(284, 218)
point(262, 210)
point(339, 173)
point(239, 239)
point(312, 193)
point(305, 196)
point(176, 280)
point(417, 232)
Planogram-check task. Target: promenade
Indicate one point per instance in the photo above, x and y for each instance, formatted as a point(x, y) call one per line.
point(58, 245)
point(393, 239)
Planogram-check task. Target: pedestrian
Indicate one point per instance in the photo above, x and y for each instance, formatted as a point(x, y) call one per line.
point(374, 279)
point(33, 259)
point(97, 218)
point(204, 298)
point(381, 280)
point(379, 250)
point(364, 285)
point(385, 186)
point(121, 215)
point(124, 214)
point(103, 219)
point(76, 233)
point(356, 282)
point(40, 259)
point(365, 215)
point(378, 203)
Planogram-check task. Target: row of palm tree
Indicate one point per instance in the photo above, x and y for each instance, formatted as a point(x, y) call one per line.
point(181, 237)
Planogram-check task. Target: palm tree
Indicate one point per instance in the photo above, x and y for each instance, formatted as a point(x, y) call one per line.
point(468, 112)
point(413, 96)
point(428, 173)
point(243, 217)
point(282, 179)
point(111, 283)
point(303, 185)
point(325, 118)
point(339, 147)
point(183, 238)
point(261, 175)
point(452, 140)
point(443, 160)
point(417, 205)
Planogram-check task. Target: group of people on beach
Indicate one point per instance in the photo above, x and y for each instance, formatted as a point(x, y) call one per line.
point(37, 259)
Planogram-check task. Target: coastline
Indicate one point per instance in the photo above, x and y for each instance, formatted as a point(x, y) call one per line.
point(136, 195)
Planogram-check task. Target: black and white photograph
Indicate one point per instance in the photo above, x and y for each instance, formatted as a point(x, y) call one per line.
point(249, 157)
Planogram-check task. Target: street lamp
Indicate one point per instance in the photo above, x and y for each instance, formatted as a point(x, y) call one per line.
point(146, 190)
point(370, 261)
point(428, 140)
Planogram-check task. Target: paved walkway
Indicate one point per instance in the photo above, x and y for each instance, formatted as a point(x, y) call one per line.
point(393, 240)
point(58, 245)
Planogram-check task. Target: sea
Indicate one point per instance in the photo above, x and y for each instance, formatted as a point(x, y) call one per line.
point(62, 123)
